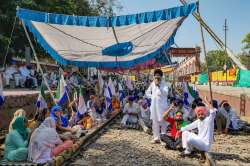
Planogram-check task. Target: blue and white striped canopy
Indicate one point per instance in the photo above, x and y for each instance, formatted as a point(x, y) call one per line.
point(115, 42)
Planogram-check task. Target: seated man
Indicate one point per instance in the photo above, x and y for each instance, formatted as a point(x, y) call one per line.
point(176, 123)
point(205, 125)
point(62, 127)
point(26, 75)
point(131, 111)
point(226, 118)
point(179, 107)
point(100, 111)
point(144, 117)
point(53, 78)
point(74, 79)
point(12, 73)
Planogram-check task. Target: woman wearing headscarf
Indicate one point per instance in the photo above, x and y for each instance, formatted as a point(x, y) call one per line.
point(46, 143)
point(16, 141)
point(19, 112)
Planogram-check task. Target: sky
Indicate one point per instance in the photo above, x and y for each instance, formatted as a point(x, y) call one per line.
point(214, 13)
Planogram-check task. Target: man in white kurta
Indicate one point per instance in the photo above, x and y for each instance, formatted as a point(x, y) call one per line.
point(26, 74)
point(158, 92)
point(205, 125)
point(10, 73)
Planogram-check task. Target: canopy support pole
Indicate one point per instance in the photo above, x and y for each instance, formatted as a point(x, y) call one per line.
point(205, 53)
point(37, 61)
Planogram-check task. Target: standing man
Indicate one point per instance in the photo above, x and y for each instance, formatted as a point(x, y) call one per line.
point(158, 92)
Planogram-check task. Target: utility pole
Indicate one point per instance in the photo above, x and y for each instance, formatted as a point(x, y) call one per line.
point(225, 28)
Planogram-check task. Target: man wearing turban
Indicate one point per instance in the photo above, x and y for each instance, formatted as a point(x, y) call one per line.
point(158, 93)
point(205, 125)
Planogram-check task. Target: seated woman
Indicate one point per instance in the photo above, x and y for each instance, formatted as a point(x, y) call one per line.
point(16, 141)
point(131, 111)
point(19, 112)
point(46, 143)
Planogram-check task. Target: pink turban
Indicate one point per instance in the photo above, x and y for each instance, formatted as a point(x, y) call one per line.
point(200, 109)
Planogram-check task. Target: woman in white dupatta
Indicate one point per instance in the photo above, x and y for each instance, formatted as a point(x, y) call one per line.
point(43, 142)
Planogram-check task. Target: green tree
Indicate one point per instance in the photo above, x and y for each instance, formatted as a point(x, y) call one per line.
point(245, 59)
point(246, 42)
point(245, 55)
point(203, 67)
point(216, 60)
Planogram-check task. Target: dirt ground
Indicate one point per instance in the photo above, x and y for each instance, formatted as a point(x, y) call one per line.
point(132, 147)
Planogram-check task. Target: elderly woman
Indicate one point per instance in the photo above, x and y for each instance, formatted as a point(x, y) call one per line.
point(16, 141)
point(46, 143)
point(19, 112)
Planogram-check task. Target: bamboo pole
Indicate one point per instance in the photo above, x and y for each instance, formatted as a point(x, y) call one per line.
point(37, 61)
point(205, 53)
